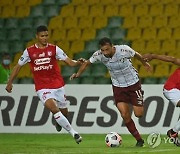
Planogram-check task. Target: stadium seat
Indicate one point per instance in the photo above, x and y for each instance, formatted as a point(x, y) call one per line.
point(33, 2)
point(134, 33)
point(102, 24)
point(156, 9)
point(49, 2)
point(51, 11)
point(136, 2)
point(168, 46)
point(39, 21)
point(150, 80)
point(70, 22)
point(149, 33)
point(3, 35)
point(5, 2)
point(67, 11)
point(150, 2)
point(87, 80)
point(145, 21)
point(19, 2)
point(77, 46)
point(14, 34)
point(121, 2)
point(65, 45)
point(117, 33)
point(28, 34)
point(143, 73)
point(130, 21)
point(153, 46)
point(91, 46)
point(102, 80)
point(160, 21)
point(171, 9)
point(176, 33)
point(172, 69)
point(87, 72)
point(4, 46)
point(96, 10)
point(105, 32)
point(166, 1)
point(73, 34)
point(58, 34)
point(83, 54)
point(11, 23)
point(26, 23)
point(126, 10)
point(111, 10)
point(37, 11)
point(115, 22)
point(82, 10)
point(17, 46)
point(174, 21)
point(8, 11)
point(22, 11)
point(85, 22)
point(92, 2)
point(164, 33)
point(139, 45)
point(88, 34)
point(63, 2)
point(141, 10)
point(162, 70)
point(56, 22)
point(107, 2)
point(98, 70)
point(67, 71)
point(78, 2)
point(2, 23)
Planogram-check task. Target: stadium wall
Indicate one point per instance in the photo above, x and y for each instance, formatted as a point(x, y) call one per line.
point(91, 108)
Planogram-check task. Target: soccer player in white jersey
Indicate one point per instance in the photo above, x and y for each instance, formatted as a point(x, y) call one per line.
point(125, 80)
point(49, 84)
point(171, 89)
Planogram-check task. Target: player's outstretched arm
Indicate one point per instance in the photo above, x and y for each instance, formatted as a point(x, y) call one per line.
point(13, 75)
point(81, 70)
point(149, 57)
point(143, 61)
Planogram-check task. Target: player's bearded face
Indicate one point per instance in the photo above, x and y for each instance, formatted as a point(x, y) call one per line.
point(42, 37)
point(107, 50)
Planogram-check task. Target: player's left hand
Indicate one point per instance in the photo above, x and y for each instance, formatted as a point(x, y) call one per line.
point(9, 88)
point(81, 60)
point(147, 57)
point(73, 76)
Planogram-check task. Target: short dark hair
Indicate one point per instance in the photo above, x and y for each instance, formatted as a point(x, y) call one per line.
point(105, 41)
point(41, 28)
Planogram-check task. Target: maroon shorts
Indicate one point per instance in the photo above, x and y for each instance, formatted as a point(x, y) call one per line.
point(132, 94)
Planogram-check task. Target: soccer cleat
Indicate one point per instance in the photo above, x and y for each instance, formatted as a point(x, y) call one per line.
point(174, 135)
point(58, 127)
point(140, 143)
point(77, 138)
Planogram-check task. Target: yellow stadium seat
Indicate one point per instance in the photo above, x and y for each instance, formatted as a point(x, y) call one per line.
point(64, 45)
point(162, 70)
point(96, 10)
point(22, 11)
point(88, 34)
point(107, 2)
point(160, 21)
point(111, 10)
point(8, 11)
point(168, 46)
point(78, 2)
point(85, 22)
point(19, 2)
point(156, 9)
point(92, 2)
point(141, 10)
point(67, 11)
point(153, 46)
point(121, 2)
point(174, 21)
point(55, 22)
point(81, 11)
point(177, 1)
point(6, 2)
point(176, 33)
point(77, 46)
point(136, 2)
point(166, 1)
point(171, 9)
point(149, 33)
point(97, 24)
point(58, 34)
point(151, 2)
point(33, 2)
point(143, 73)
point(70, 22)
point(134, 33)
point(145, 21)
point(130, 21)
point(139, 45)
point(126, 10)
point(164, 33)
point(73, 34)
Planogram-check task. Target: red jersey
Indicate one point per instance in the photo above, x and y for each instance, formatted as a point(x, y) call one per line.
point(173, 81)
point(44, 66)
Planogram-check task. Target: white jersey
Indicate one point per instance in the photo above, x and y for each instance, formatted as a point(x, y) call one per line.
point(123, 74)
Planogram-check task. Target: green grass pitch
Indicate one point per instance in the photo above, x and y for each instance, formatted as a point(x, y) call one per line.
point(65, 144)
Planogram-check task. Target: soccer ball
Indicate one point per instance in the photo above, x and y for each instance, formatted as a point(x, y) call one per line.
point(113, 139)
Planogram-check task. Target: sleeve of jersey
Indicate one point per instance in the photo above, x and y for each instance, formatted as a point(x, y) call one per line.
point(95, 57)
point(60, 55)
point(24, 58)
point(130, 52)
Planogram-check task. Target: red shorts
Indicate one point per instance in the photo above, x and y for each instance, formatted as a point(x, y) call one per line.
point(132, 94)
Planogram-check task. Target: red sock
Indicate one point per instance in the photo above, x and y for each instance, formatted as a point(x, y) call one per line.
point(132, 129)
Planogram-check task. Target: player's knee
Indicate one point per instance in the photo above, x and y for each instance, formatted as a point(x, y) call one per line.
point(139, 115)
point(125, 116)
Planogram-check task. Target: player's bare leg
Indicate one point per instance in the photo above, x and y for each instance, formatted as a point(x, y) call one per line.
point(125, 114)
point(61, 119)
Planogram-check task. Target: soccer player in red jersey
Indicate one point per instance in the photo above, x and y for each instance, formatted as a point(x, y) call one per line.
point(125, 81)
point(49, 84)
point(171, 89)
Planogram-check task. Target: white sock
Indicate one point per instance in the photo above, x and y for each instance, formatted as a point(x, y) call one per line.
point(63, 122)
point(177, 127)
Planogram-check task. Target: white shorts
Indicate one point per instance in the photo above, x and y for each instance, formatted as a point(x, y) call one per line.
point(172, 95)
point(57, 94)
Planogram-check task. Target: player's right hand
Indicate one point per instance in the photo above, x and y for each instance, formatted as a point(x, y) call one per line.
point(73, 76)
point(9, 88)
point(147, 57)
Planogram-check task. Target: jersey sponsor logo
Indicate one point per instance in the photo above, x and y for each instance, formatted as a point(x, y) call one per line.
point(42, 61)
point(22, 58)
point(39, 68)
point(42, 55)
point(49, 53)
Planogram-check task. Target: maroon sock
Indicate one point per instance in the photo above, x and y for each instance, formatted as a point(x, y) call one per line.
point(132, 129)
